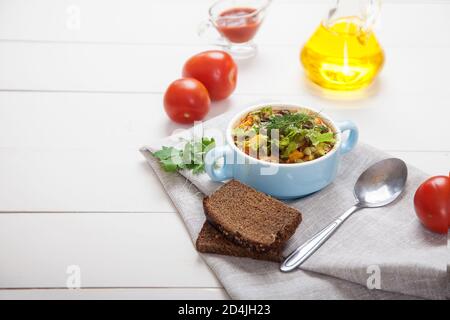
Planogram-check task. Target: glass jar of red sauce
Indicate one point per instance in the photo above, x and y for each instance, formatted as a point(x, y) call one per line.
point(237, 22)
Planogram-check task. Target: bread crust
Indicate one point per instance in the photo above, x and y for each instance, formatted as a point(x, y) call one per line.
point(211, 240)
point(279, 238)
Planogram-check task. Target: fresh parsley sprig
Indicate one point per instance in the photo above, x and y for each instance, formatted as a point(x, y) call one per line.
point(191, 157)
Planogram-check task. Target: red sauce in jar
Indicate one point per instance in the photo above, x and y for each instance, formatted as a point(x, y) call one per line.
point(238, 25)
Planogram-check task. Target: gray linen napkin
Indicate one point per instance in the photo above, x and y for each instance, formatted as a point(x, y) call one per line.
point(389, 241)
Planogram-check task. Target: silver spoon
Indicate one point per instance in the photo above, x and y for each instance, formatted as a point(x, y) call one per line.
point(378, 186)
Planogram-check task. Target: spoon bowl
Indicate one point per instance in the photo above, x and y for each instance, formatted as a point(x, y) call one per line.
point(381, 183)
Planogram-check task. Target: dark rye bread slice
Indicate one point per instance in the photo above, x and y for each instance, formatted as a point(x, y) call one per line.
point(212, 241)
point(251, 218)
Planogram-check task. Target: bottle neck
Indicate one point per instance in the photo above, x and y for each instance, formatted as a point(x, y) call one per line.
point(364, 11)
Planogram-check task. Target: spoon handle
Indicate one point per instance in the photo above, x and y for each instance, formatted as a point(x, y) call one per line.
point(302, 253)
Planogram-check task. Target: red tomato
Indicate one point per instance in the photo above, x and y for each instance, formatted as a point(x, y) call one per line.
point(186, 100)
point(432, 203)
point(216, 70)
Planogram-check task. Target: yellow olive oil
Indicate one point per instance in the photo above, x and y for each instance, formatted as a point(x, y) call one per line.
point(342, 56)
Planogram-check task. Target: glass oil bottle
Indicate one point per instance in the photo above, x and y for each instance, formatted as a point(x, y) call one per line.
point(343, 53)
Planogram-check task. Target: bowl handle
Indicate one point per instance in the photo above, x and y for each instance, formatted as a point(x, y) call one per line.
point(226, 171)
point(352, 139)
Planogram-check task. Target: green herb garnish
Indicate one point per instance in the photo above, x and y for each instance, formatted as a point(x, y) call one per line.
point(289, 120)
point(191, 157)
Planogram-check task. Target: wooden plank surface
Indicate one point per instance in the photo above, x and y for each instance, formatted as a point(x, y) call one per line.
point(175, 22)
point(150, 68)
point(116, 293)
point(77, 103)
point(112, 250)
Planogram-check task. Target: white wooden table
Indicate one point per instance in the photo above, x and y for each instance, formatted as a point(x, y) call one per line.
point(79, 97)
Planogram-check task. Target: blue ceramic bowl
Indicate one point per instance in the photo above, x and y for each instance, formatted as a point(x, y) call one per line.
point(280, 180)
